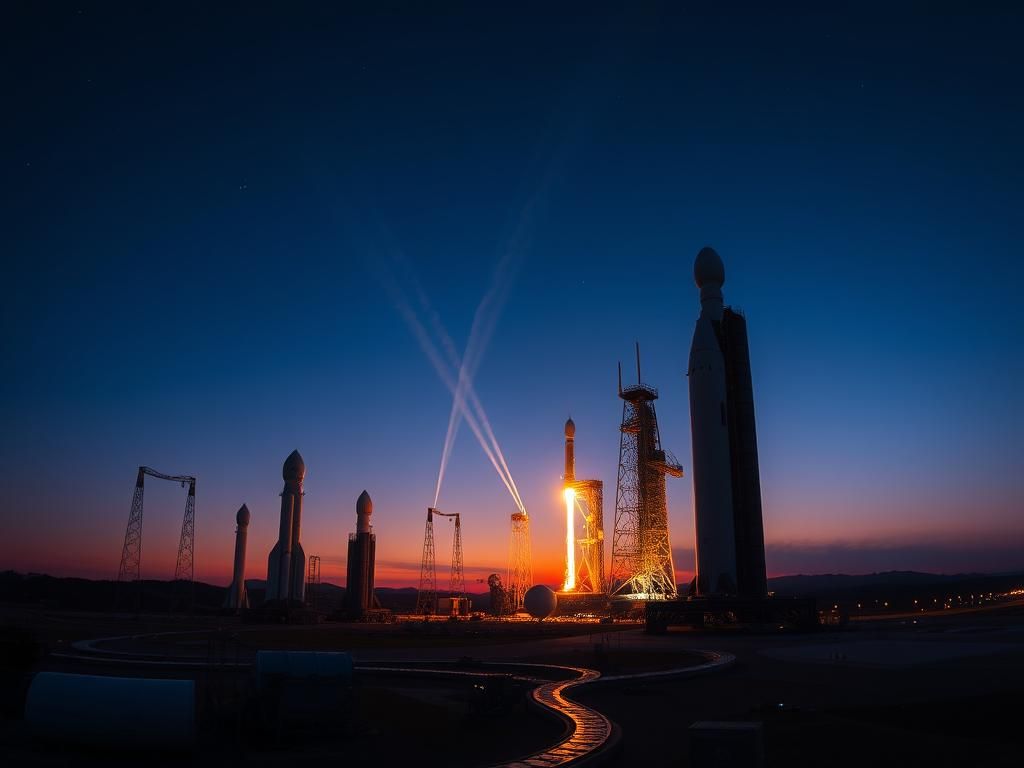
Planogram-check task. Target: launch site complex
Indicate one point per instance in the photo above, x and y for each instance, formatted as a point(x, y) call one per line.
point(730, 583)
point(545, 676)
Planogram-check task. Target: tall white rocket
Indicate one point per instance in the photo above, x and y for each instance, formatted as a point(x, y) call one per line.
point(712, 479)
point(238, 598)
point(286, 564)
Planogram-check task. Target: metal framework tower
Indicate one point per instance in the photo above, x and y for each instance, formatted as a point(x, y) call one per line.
point(426, 597)
point(131, 552)
point(457, 583)
point(312, 580)
point(642, 565)
point(520, 565)
point(590, 504)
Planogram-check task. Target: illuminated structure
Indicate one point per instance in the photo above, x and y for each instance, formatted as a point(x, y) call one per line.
point(426, 597)
point(726, 479)
point(642, 565)
point(312, 580)
point(286, 564)
point(237, 598)
point(362, 547)
point(583, 574)
point(520, 565)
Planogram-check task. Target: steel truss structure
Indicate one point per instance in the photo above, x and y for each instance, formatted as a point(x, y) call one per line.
point(589, 496)
point(520, 564)
point(642, 565)
point(426, 596)
point(131, 552)
point(312, 580)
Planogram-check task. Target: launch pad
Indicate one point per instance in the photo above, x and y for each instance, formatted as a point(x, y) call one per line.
point(699, 612)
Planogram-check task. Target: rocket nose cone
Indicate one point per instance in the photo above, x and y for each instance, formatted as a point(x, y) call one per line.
point(570, 428)
point(708, 268)
point(364, 504)
point(294, 467)
point(243, 516)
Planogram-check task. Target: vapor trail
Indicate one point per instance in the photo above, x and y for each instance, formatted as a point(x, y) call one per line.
point(484, 321)
point(443, 372)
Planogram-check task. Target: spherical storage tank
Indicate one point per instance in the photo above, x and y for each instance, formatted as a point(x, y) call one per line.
point(540, 601)
point(112, 711)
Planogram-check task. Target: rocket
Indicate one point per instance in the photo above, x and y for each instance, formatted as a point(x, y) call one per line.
point(286, 564)
point(362, 545)
point(237, 598)
point(712, 480)
point(570, 453)
point(726, 480)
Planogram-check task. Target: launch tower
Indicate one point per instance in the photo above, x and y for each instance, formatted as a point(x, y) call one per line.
point(520, 565)
point(642, 567)
point(584, 500)
point(426, 598)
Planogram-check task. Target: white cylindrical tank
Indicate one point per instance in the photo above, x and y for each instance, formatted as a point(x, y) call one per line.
point(364, 508)
point(112, 711)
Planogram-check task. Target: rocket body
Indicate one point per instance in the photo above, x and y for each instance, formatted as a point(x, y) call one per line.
point(362, 545)
point(238, 598)
point(726, 477)
point(286, 563)
point(712, 478)
point(570, 452)
point(712, 483)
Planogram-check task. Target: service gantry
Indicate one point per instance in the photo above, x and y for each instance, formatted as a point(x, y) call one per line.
point(426, 597)
point(642, 567)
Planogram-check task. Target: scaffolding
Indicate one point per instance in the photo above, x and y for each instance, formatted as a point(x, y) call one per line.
point(426, 596)
point(642, 567)
point(312, 580)
point(520, 565)
point(589, 498)
point(130, 568)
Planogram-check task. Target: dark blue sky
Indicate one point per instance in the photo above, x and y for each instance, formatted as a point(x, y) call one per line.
point(199, 206)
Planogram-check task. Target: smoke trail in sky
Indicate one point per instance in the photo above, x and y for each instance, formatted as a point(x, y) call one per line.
point(445, 374)
point(484, 321)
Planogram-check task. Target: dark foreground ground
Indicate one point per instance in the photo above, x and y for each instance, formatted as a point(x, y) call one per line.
point(938, 690)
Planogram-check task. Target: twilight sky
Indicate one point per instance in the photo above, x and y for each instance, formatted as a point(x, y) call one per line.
point(206, 214)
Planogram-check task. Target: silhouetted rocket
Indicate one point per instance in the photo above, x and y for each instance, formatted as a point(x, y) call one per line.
point(286, 565)
point(238, 598)
point(726, 480)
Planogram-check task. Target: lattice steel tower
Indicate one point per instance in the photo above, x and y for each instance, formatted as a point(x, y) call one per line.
point(520, 565)
point(642, 565)
point(312, 580)
point(426, 598)
point(590, 504)
point(131, 552)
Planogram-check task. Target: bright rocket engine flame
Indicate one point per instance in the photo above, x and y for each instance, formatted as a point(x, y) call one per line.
point(570, 540)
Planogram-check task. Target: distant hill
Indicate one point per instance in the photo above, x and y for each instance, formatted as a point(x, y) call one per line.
point(897, 588)
point(897, 591)
point(104, 595)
